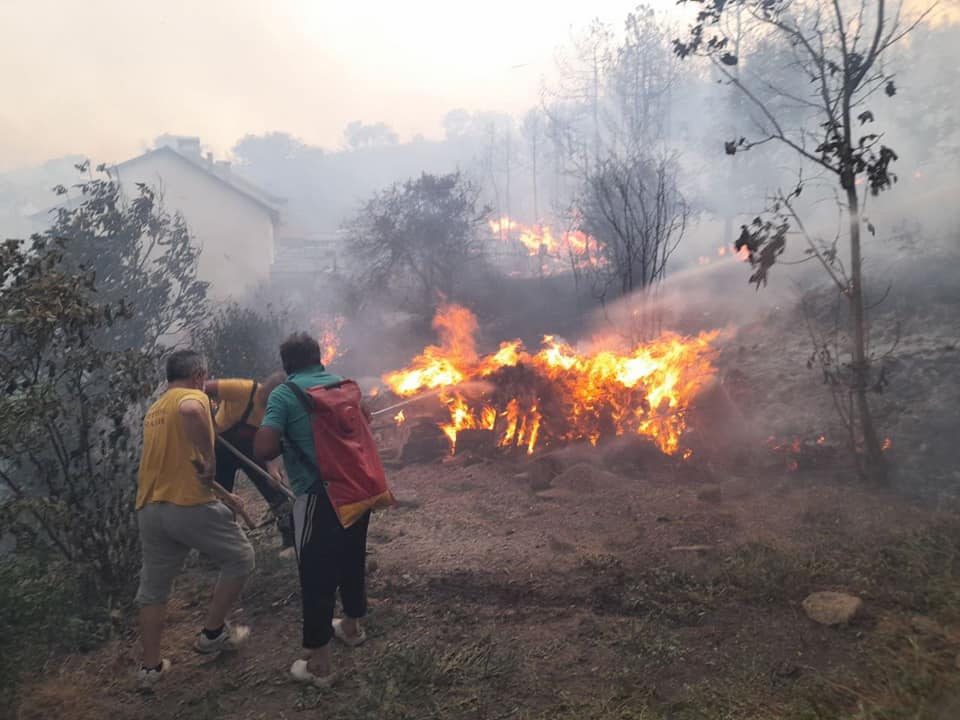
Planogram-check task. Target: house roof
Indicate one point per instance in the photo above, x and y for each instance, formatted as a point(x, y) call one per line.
point(238, 185)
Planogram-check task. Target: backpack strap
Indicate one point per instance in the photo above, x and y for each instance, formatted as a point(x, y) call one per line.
point(308, 405)
point(302, 396)
point(249, 409)
point(242, 420)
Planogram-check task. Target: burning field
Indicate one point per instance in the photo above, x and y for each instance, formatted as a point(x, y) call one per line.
point(528, 401)
point(578, 567)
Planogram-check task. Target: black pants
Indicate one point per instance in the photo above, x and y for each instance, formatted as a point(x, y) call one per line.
point(329, 557)
point(241, 437)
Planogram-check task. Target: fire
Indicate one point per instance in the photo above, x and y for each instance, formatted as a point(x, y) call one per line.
point(400, 418)
point(743, 254)
point(560, 393)
point(540, 239)
point(440, 366)
point(328, 331)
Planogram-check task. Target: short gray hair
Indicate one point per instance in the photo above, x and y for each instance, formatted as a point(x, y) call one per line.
point(184, 364)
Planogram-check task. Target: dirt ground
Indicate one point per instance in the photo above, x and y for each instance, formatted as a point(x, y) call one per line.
point(651, 592)
point(614, 583)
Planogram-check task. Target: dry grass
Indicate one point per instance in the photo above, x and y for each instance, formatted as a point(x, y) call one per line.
point(475, 617)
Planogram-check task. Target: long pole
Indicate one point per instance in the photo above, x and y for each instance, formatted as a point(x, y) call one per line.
point(409, 400)
point(251, 466)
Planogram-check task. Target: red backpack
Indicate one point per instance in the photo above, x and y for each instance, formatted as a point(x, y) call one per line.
point(349, 467)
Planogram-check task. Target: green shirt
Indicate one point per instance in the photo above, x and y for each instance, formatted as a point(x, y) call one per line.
point(286, 415)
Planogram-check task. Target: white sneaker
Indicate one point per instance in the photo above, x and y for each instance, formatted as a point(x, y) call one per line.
point(230, 639)
point(349, 640)
point(301, 673)
point(147, 678)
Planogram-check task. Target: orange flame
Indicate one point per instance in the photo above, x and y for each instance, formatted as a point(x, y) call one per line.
point(540, 239)
point(328, 331)
point(606, 389)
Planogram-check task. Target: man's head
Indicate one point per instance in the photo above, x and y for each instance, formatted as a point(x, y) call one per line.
point(300, 351)
point(187, 368)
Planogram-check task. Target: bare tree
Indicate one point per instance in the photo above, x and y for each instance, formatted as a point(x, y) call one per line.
point(611, 112)
point(836, 48)
point(632, 207)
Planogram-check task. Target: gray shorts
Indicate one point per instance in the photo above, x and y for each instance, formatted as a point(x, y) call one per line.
point(167, 534)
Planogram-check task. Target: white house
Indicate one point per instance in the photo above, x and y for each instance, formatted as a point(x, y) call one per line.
point(236, 224)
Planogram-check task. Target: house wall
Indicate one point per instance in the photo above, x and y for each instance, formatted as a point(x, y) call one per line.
point(236, 236)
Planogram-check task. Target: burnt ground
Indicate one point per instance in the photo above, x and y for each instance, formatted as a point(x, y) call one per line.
point(627, 586)
point(651, 592)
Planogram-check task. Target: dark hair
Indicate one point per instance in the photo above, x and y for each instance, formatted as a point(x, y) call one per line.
point(300, 351)
point(184, 364)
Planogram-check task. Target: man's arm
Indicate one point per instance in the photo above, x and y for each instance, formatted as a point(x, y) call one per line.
point(266, 444)
point(212, 388)
point(195, 417)
point(196, 424)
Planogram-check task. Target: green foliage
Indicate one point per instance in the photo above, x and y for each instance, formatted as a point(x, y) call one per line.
point(243, 342)
point(42, 610)
point(84, 311)
point(142, 257)
point(417, 240)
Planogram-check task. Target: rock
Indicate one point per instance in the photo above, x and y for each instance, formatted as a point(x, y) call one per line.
point(832, 608)
point(630, 454)
point(541, 472)
point(481, 443)
point(425, 443)
point(583, 479)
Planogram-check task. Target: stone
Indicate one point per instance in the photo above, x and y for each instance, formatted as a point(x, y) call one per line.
point(542, 471)
point(832, 608)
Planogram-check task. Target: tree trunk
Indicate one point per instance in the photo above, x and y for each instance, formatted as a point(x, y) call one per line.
point(872, 464)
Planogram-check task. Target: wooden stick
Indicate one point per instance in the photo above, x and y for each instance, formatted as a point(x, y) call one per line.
point(221, 492)
point(218, 489)
point(252, 466)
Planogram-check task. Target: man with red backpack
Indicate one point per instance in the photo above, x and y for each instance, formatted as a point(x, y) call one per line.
point(316, 420)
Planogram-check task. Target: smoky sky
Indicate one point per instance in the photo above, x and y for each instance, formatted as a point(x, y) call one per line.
point(103, 78)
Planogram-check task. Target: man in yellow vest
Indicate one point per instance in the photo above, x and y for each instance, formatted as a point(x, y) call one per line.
point(179, 507)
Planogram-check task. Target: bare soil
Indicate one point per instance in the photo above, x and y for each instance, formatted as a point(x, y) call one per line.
point(660, 592)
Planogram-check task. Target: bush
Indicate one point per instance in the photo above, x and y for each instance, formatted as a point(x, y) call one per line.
point(84, 311)
point(243, 342)
point(44, 608)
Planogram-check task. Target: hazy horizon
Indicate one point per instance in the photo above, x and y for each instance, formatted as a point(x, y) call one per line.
point(124, 73)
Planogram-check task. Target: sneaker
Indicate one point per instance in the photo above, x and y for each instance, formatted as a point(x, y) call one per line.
point(229, 640)
point(349, 640)
point(301, 673)
point(148, 677)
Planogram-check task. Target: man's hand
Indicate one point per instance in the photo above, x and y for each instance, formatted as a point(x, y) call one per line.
point(234, 502)
point(277, 476)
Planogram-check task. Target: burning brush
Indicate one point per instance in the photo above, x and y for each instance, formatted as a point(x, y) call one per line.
point(557, 394)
